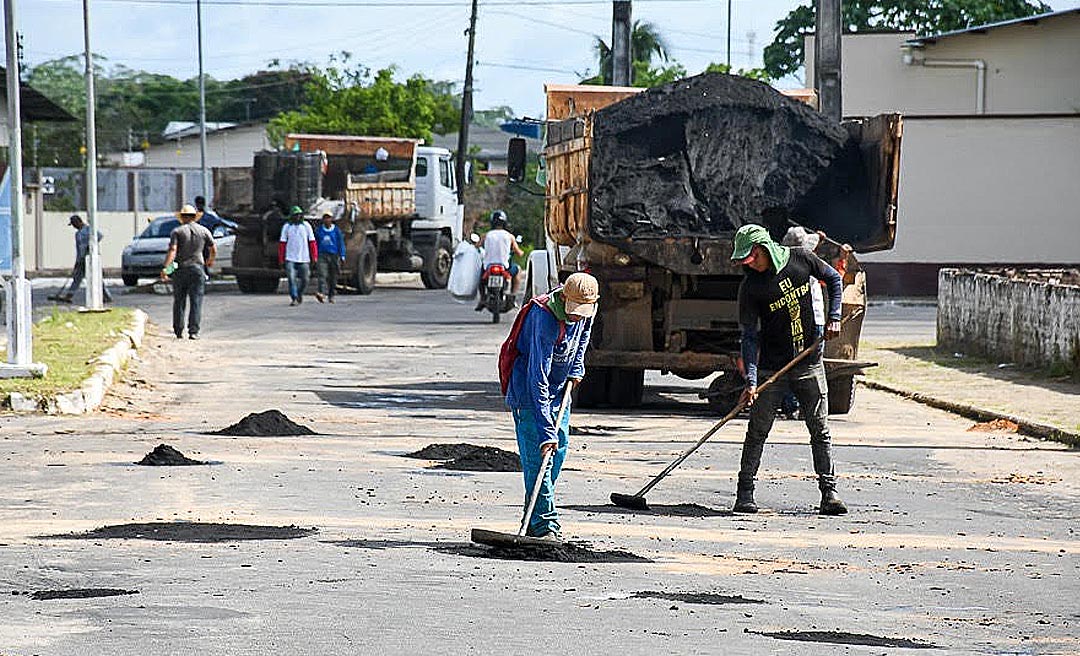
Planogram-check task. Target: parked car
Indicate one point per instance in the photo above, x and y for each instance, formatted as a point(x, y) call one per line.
point(145, 255)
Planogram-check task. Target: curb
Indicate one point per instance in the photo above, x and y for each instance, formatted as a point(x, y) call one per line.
point(92, 392)
point(1027, 427)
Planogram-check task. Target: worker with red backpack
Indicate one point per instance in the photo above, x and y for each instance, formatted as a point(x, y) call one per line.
point(544, 353)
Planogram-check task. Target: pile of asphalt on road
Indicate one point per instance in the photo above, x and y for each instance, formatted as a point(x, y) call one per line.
point(271, 423)
point(469, 457)
point(704, 155)
point(190, 532)
point(79, 593)
point(164, 455)
point(555, 552)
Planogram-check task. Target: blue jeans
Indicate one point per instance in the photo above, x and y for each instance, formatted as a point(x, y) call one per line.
point(545, 517)
point(297, 272)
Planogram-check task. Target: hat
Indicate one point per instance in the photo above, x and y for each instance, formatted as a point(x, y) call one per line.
point(751, 235)
point(581, 292)
point(294, 210)
point(73, 218)
point(188, 210)
point(800, 237)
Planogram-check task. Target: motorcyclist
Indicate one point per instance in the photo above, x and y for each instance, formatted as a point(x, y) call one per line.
point(498, 244)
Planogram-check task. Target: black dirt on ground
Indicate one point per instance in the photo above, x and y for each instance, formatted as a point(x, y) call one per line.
point(844, 638)
point(669, 510)
point(272, 423)
point(469, 457)
point(79, 593)
point(164, 455)
point(190, 532)
point(711, 598)
point(564, 552)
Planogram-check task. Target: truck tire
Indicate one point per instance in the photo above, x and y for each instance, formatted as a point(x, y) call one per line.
point(625, 387)
point(841, 395)
point(366, 267)
point(130, 281)
point(257, 284)
point(725, 390)
point(592, 392)
point(436, 271)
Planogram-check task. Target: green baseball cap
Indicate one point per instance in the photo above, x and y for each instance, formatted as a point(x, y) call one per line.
point(295, 210)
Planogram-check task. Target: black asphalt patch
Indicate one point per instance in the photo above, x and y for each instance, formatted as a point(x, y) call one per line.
point(79, 593)
point(271, 423)
point(190, 532)
point(469, 457)
point(710, 598)
point(556, 552)
point(164, 455)
point(669, 510)
point(844, 638)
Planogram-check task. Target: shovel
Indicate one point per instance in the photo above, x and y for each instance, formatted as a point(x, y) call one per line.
point(499, 539)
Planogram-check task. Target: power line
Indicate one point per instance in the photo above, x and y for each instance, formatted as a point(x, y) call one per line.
point(524, 67)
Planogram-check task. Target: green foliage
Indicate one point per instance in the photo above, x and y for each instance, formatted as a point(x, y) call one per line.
point(759, 74)
point(785, 54)
point(348, 100)
point(651, 76)
point(492, 118)
point(645, 44)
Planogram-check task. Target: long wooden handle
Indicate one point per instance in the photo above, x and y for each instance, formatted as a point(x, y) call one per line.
point(535, 494)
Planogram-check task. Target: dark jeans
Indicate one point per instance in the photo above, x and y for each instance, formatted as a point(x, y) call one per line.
point(189, 284)
point(329, 267)
point(807, 382)
point(77, 275)
point(297, 273)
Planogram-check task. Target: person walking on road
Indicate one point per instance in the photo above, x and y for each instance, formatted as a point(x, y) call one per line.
point(331, 255)
point(297, 250)
point(548, 341)
point(200, 205)
point(82, 251)
point(776, 316)
point(191, 251)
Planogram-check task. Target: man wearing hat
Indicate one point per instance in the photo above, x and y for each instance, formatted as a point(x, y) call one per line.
point(296, 251)
point(191, 251)
point(550, 344)
point(776, 315)
point(82, 250)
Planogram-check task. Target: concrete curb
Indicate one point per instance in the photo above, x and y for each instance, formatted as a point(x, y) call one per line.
point(1027, 427)
point(92, 392)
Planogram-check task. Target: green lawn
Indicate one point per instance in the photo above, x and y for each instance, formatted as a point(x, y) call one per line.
point(67, 341)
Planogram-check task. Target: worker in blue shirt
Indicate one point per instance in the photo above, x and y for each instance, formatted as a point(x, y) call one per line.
point(551, 344)
point(331, 255)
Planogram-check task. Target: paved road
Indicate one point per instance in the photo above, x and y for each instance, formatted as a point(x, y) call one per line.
point(964, 540)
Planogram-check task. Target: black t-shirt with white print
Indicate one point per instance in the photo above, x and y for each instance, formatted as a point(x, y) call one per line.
point(783, 305)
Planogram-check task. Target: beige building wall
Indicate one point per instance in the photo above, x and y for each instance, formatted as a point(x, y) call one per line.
point(232, 147)
point(50, 241)
point(1030, 68)
point(988, 190)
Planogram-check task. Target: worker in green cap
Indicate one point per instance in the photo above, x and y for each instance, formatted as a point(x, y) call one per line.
point(296, 251)
point(776, 315)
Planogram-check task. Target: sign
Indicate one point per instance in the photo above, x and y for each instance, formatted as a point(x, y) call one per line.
point(48, 184)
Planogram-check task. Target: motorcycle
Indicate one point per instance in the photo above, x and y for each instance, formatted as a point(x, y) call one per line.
point(495, 290)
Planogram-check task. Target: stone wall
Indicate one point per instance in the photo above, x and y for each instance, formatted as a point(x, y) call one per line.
point(1028, 318)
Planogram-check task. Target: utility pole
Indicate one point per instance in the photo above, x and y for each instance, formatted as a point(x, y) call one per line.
point(729, 35)
point(20, 353)
point(466, 111)
point(827, 59)
point(621, 58)
point(202, 108)
point(94, 300)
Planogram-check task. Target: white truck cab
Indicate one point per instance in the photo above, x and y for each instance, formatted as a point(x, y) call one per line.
point(437, 206)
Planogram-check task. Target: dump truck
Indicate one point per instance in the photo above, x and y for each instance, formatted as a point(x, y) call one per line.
point(645, 189)
point(394, 199)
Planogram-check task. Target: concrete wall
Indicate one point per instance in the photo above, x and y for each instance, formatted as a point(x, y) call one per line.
point(1031, 68)
point(232, 147)
point(1029, 323)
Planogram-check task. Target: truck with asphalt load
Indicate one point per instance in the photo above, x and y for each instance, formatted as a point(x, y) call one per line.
point(645, 189)
point(394, 199)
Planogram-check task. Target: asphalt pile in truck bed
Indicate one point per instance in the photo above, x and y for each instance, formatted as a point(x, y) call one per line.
point(702, 156)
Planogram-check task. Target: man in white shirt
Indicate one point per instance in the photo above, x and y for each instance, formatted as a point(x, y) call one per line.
point(498, 244)
point(297, 250)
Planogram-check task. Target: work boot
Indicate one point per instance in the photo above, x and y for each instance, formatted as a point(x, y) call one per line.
point(320, 298)
point(744, 498)
point(551, 536)
point(831, 504)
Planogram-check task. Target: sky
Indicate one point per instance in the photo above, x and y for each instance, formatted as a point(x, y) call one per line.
point(520, 44)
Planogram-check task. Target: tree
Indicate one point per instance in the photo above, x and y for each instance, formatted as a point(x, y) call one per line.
point(349, 100)
point(645, 44)
point(759, 74)
point(784, 55)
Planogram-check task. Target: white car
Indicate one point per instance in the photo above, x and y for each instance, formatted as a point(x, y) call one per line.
point(145, 255)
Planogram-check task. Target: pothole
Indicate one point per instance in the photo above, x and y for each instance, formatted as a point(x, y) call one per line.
point(190, 532)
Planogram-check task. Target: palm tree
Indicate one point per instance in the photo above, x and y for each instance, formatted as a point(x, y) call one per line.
point(645, 43)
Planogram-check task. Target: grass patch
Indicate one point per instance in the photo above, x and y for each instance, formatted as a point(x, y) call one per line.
point(66, 341)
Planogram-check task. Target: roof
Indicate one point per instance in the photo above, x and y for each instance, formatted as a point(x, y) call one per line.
point(35, 105)
point(182, 129)
point(485, 143)
point(982, 29)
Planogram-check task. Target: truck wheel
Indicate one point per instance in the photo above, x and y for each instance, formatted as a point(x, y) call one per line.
point(592, 392)
point(625, 387)
point(725, 390)
point(130, 281)
point(436, 271)
point(366, 267)
point(841, 395)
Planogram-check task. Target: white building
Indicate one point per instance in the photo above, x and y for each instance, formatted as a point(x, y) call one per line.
point(227, 144)
point(990, 160)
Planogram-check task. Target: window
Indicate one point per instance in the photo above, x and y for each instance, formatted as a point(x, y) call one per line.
point(444, 172)
point(421, 167)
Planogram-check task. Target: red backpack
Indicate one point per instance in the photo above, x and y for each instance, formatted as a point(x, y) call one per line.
point(509, 352)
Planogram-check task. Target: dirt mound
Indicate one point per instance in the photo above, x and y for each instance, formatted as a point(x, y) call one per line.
point(566, 552)
point(710, 598)
point(469, 457)
point(80, 593)
point(272, 423)
point(164, 455)
point(669, 510)
point(995, 426)
point(190, 532)
point(844, 638)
